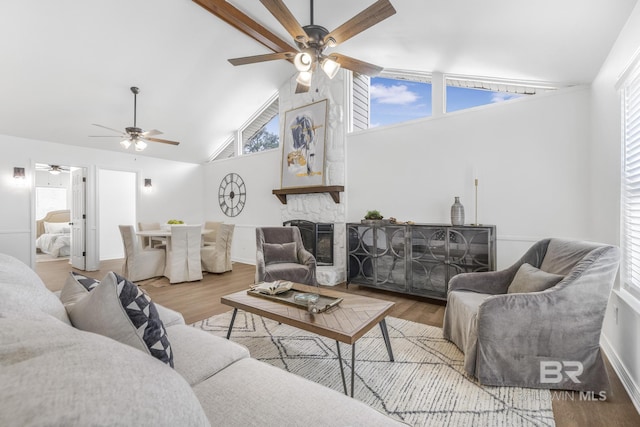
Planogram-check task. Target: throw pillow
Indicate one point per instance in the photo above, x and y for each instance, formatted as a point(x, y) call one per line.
point(531, 279)
point(118, 309)
point(276, 253)
point(76, 287)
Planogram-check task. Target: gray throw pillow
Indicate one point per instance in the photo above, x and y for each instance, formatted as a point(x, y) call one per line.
point(76, 287)
point(531, 279)
point(118, 309)
point(276, 253)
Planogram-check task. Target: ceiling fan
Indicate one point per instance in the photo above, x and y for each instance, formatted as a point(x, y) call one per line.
point(52, 169)
point(311, 40)
point(133, 134)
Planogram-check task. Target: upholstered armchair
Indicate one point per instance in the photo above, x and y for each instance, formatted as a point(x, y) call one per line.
point(216, 256)
point(280, 255)
point(140, 263)
point(536, 324)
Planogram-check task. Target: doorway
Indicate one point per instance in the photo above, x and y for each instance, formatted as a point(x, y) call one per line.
point(53, 201)
point(117, 206)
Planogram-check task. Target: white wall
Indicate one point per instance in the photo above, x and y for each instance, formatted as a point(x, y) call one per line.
point(261, 174)
point(622, 322)
point(530, 157)
point(177, 187)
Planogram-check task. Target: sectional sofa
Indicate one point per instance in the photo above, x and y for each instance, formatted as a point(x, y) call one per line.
point(55, 373)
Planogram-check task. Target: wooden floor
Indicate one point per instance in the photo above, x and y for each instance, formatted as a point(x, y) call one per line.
point(199, 300)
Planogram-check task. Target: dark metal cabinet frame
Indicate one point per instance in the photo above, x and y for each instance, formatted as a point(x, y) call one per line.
point(417, 259)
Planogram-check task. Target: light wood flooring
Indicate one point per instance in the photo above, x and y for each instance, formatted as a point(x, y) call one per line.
point(199, 300)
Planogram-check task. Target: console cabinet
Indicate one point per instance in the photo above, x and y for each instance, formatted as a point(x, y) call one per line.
point(417, 259)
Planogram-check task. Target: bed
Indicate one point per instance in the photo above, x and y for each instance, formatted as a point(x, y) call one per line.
point(54, 234)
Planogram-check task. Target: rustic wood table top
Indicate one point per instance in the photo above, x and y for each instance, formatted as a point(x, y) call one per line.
point(347, 322)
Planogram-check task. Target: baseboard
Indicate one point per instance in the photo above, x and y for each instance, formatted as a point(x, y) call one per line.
point(629, 385)
point(251, 261)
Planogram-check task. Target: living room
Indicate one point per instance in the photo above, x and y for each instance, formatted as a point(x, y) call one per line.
point(547, 166)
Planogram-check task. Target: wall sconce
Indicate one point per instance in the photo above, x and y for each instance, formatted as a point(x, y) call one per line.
point(18, 173)
point(147, 183)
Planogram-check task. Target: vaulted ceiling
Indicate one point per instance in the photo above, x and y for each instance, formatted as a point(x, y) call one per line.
point(66, 64)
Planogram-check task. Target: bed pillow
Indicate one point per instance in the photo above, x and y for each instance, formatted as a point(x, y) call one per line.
point(531, 279)
point(57, 227)
point(277, 253)
point(118, 309)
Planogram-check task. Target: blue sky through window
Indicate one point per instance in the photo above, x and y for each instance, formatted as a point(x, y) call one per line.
point(395, 101)
point(460, 98)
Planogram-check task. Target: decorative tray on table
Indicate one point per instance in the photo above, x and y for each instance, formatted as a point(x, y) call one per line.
point(285, 292)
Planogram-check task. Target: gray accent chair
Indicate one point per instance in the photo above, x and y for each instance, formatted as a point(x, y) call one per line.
point(280, 255)
point(505, 336)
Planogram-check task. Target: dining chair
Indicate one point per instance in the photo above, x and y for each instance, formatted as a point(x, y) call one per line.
point(183, 256)
point(140, 263)
point(209, 239)
point(216, 257)
point(148, 241)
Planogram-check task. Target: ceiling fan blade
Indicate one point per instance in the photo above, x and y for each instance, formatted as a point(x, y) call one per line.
point(356, 65)
point(105, 136)
point(151, 133)
point(284, 16)
point(243, 23)
point(115, 130)
point(261, 58)
point(379, 11)
point(164, 141)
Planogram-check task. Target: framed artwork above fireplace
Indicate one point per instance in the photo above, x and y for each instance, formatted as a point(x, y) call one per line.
point(303, 145)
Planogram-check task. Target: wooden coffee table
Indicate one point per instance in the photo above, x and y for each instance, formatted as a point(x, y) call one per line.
point(350, 320)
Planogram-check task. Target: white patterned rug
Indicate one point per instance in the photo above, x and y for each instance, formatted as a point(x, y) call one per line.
point(426, 385)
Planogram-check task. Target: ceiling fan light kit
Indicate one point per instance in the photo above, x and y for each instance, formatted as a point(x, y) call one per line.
point(311, 40)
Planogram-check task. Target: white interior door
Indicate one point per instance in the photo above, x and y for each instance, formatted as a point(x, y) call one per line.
point(78, 218)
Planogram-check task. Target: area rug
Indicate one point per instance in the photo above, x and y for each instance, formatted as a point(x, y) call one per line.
point(426, 385)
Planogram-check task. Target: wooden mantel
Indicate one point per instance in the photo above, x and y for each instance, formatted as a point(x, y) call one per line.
point(333, 190)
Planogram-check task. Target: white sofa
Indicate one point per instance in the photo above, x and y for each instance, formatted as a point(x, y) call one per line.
point(55, 374)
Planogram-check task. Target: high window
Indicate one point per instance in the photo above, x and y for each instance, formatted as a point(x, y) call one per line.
point(260, 133)
point(630, 200)
point(398, 96)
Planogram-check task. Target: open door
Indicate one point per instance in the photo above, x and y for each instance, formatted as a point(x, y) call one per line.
point(78, 218)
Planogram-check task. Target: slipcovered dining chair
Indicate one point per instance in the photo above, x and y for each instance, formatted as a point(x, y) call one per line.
point(216, 257)
point(546, 310)
point(209, 239)
point(140, 263)
point(183, 256)
point(280, 255)
point(147, 241)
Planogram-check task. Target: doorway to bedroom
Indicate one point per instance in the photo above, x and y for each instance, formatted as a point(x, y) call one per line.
point(53, 201)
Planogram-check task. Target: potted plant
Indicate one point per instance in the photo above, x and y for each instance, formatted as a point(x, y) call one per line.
point(372, 217)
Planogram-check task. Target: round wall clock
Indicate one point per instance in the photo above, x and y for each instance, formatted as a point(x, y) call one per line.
point(232, 194)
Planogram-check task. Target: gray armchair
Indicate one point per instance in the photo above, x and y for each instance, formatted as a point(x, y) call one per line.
point(280, 255)
point(548, 338)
